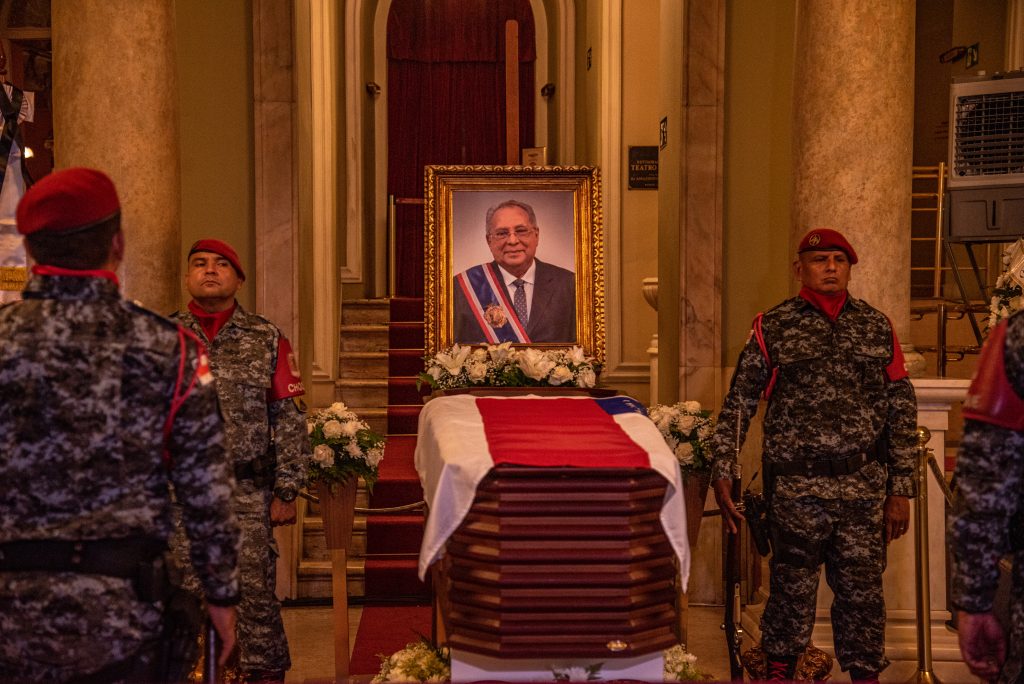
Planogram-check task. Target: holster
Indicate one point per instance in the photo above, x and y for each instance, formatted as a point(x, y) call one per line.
point(265, 466)
point(755, 510)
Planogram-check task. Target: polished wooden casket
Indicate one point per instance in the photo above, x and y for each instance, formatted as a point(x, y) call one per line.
point(561, 563)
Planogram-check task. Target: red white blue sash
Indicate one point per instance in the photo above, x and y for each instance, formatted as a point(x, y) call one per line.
point(490, 305)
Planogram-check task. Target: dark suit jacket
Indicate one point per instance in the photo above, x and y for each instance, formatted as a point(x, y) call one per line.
point(552, 311)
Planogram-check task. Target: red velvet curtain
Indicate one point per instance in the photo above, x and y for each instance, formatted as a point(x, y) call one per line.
point(446, 101)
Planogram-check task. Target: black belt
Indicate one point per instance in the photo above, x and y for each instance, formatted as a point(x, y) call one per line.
point(821, 467)
point(111, 557)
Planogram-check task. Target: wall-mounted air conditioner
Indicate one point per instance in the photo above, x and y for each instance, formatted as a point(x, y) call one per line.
point(986, 158)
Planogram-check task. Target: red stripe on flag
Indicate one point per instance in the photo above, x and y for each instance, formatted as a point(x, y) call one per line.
point(557, 432)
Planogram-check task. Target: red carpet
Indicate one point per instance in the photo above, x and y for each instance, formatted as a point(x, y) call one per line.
point(386, 629)
point(393, 540)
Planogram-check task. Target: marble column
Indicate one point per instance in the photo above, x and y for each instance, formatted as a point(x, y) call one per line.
point(115, 102)
point(853, 107)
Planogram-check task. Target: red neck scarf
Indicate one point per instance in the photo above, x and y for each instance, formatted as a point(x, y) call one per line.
point(211, 322)
point(830, 305)
point(47, 270)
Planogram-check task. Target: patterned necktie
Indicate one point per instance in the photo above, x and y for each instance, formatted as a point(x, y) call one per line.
point(519, 300)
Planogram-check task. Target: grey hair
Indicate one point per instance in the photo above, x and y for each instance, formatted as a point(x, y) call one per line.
point(531, 217)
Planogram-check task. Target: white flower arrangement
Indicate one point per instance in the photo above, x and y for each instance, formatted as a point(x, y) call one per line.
point(419, 661)
point(502, 365)
point(681, 666)
point(1007, 294)
point(577, 673)
point(343, 446)
point(687, 430)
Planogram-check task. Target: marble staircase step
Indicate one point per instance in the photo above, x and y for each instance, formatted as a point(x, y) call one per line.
point(363, 364)
point(367, 392)
point(363, 311)
point(364, 338)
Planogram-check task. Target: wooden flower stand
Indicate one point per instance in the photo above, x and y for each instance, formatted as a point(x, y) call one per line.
point(337, 508)
point(695, 492)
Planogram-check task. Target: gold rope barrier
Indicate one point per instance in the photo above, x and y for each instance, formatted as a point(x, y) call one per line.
point(924, 672)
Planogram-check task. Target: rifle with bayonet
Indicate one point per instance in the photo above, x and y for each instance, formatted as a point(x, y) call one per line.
point(732, 572)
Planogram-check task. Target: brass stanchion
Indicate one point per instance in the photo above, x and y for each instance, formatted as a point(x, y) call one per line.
point(924, 600)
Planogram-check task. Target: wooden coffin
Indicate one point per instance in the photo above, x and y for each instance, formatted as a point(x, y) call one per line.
point(561, 562)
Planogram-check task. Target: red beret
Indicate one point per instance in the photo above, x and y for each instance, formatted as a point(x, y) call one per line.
point(219, 247)
point(825, 240)
point(67, 201)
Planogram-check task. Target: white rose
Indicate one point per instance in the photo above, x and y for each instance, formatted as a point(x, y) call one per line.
point(535, 364)
point(478, 372)
point(480, 355)
point(684, 453)
point(350, 428)
point(338, 407)
point(323, 455)
point(332, 429)
point(691, 406)
point(685, 423)
point(586, 377)
point(560, 375)
point(434, 372)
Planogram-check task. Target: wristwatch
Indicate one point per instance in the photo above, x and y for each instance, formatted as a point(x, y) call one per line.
point(287, 495)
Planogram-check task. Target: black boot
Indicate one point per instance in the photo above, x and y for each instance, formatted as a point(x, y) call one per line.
point(859, 676)
point(780, 668)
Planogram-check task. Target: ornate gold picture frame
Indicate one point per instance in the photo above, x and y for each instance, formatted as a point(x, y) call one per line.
point(471, 266)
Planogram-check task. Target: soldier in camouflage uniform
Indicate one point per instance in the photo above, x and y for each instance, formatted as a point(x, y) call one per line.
point(838, 456)
point(258, 383)
point(101, 404)
point(986, 522)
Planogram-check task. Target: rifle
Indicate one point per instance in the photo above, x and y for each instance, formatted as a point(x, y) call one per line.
point(210, 656)
point(732, 573)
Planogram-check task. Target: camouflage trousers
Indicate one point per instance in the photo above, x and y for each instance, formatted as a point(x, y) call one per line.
point(58, 627)
point(262, 644)
point(1013, 667)
point(847, 536)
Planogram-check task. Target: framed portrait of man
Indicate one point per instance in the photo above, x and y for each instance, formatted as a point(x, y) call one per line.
point(514, 254)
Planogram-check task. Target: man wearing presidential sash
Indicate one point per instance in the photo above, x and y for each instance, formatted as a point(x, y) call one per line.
point(516, 297)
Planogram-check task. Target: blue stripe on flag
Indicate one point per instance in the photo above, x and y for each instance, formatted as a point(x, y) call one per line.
point(615, 405)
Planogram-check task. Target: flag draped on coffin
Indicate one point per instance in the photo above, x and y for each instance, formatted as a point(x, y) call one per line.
point(461, 438)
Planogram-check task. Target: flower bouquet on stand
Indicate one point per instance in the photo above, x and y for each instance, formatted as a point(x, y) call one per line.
point(687, 430)
point(1007, 294)
point(344, 449)
point(502, 365)
point(344, 446)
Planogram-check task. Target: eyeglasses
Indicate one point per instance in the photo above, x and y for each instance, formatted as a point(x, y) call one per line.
point(522, 232)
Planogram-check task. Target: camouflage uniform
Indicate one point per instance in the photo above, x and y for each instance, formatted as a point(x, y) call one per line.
point(831, 400)
point(243, 357)
point(86, 383)
point(985, 523)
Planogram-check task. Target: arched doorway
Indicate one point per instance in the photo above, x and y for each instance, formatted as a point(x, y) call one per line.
point(446, 103)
